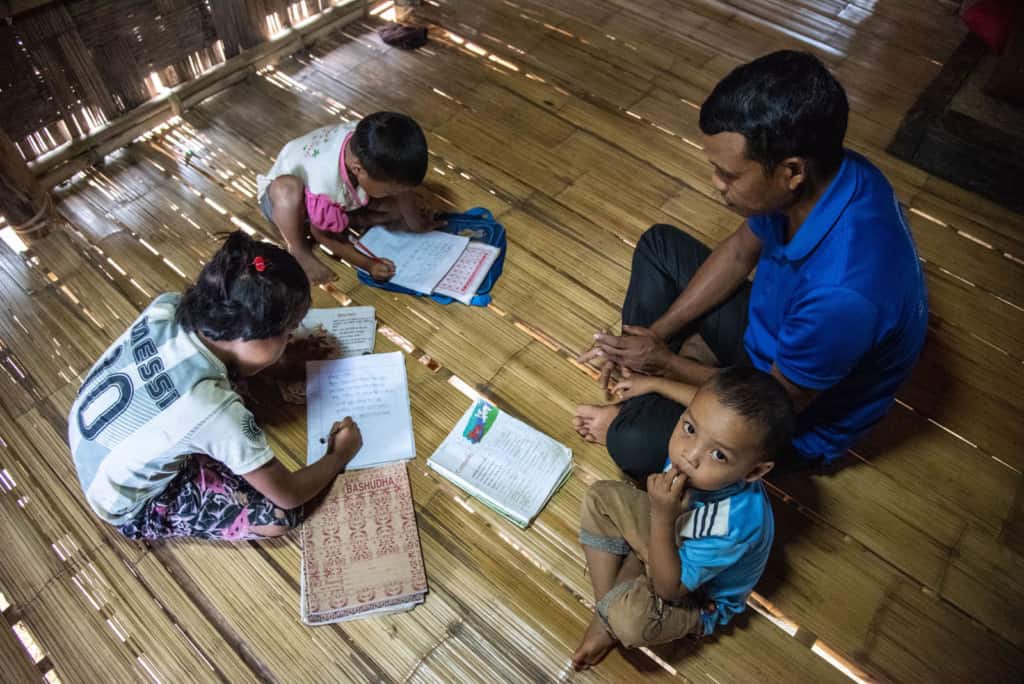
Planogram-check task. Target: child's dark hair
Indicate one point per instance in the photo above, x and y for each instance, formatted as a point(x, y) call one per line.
point(786, 104)
point(250, 290)
point(392, 148)
point(758, 396)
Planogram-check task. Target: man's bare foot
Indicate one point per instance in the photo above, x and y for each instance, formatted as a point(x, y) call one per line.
point(596, 644)
point(317, 273)
point(592, 421)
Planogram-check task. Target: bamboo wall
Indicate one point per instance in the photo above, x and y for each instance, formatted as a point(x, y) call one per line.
point(70, 66)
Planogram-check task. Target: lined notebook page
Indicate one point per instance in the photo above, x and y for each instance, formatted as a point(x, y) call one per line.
point(421, 259)
point(373, 390)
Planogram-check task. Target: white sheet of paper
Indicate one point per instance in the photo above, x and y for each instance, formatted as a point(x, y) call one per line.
point(513, 465)
point(353, 328)
point(421, 259)
point(373, 390)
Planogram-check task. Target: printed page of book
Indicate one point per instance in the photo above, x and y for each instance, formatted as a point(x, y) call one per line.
point(360, 548)
point(502, 460)
point(347, 330)
point(469, 271)
point(374, 391)
point(421, 259)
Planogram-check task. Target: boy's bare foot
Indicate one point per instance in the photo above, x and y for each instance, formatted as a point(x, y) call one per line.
point(317, 273)
point(596, 644)
point(592, 422)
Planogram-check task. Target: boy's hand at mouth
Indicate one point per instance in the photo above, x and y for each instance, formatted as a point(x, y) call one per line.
point(667, 491)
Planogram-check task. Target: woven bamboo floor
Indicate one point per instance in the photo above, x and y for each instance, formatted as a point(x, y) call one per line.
point(575, 122)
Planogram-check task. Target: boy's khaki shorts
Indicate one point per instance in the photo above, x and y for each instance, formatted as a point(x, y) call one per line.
point(616, 519)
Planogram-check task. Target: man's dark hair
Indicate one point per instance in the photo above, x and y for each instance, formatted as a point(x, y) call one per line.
point(249, 290)
point(392, 148)
point(759, 397)
point(786, 104)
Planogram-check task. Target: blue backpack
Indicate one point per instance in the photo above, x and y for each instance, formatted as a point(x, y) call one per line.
point(477, 224)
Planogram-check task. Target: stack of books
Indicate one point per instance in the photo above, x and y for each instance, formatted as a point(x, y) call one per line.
point(361, 549)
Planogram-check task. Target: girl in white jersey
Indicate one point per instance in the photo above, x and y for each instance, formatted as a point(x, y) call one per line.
point(344, 177)
point(162, 443)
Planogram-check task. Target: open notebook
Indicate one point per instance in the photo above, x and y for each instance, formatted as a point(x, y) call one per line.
point(503, 462)
point(434, 262)
point(373, 390)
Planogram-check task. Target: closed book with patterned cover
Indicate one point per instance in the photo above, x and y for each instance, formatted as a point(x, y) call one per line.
point(361, 549)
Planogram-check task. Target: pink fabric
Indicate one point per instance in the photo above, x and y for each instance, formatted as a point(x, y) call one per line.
point(324, 213)
point(210, 480)
point(238, 530)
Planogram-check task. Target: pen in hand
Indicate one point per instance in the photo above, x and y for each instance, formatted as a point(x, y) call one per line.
point(379, 269)
point(329, 440)
point(351, 441)
point(357, 243)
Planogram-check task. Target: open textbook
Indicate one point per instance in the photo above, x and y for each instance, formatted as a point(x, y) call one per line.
point(374, 391)
point(361, 550)
point(503, 462)
point(347, 330)
point(472, 266)
point(434, 262)
point(341, 332)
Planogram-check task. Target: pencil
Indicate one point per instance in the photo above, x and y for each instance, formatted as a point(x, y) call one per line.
point(357, 243)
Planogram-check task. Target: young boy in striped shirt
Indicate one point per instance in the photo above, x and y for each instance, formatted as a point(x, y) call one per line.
point(682, 558)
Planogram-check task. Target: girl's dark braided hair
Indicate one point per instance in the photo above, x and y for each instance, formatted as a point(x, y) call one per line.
point(250, 290)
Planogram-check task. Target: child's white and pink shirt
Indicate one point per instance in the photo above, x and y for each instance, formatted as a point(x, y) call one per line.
point(318, 158)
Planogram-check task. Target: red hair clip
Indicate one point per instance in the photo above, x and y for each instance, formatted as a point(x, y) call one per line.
point(260, 264)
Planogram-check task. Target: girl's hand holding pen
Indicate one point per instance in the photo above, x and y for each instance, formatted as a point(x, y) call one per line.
point(344, 441)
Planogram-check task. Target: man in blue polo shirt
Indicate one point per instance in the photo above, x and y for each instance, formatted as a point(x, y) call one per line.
point(837, 310)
